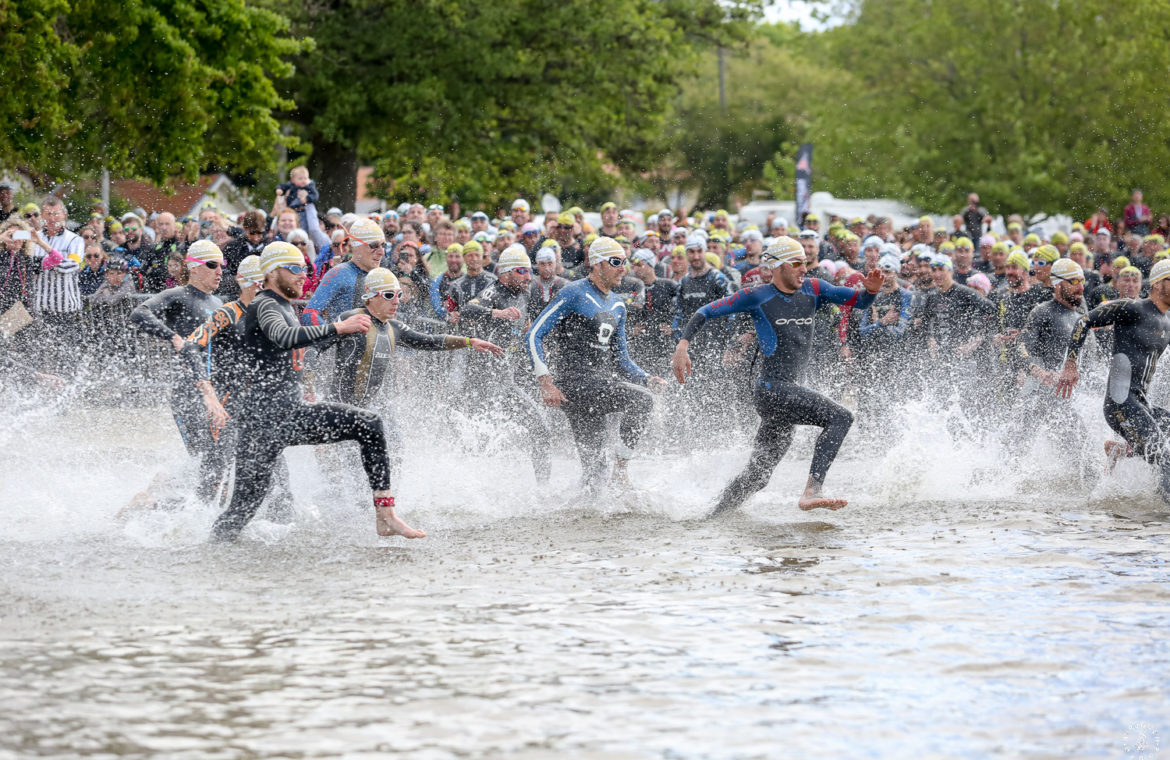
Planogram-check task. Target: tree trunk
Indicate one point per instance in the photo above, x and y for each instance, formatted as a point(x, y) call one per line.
point(334, 169)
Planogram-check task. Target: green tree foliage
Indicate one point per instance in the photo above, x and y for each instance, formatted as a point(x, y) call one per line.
point(769, 87)
point(471, 99)
point(150, 88)
point(1037, 105)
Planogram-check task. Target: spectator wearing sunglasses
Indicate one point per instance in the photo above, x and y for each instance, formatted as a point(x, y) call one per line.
point(341, 288)
point(171, 316)
point(93, 274)
point(31, 214)
point(500, 314)
point(134, 246)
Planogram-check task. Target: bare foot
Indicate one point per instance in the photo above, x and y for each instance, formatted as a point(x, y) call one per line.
point(820, 502)
point(389, 524)
point(621, 475)
point(1114, 450)
point(139, 502)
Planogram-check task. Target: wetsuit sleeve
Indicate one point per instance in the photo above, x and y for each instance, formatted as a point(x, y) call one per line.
point(480, 307)
point(411, 338)
point(858, 299)
point(1108, 313)
point(556, 310)
point(739, 301)
point(323, 298)
point(147, 316)
point(904, 316)
point(272, 324)
point(437, 299)
point(622, 351)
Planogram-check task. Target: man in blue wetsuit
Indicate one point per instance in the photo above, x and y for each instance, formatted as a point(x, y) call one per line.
point(342, 287)
point(783, 315)
point(594, 373)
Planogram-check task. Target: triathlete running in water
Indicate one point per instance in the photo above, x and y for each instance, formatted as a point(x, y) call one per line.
point(783, 316)
point(1141, 331)
point(274, 415)
point(594, 373)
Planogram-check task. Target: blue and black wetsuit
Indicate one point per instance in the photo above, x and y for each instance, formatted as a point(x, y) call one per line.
point(592, 360)
point(1141, 332)
point(784, 326)
point(340, 290)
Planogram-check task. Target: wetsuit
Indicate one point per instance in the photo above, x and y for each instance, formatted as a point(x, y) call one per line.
point(180, 311)
point(362, 364)
point(651, 348)
point(439, 290)
point(592, 360)
point(215, 352)
point(881, 353)
point(953, 318)
point(1140, 334)
point(784, 326)
point(491, 382)
point(540, 293)
point(340, 290)
point(466, 288)
point(274, 416)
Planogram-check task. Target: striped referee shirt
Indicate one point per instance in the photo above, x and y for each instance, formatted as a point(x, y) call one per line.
point(58, 290)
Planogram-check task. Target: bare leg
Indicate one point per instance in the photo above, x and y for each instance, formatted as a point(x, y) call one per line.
point(812, 499)
point(389, 524)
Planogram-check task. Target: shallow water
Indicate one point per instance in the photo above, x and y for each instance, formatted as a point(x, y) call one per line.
point(955, 610)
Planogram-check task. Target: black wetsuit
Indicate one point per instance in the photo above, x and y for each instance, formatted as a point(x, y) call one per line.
point(784, 327)
point(181, 311)
point(274, 416)
point(590, 327)
point(215, 352)
point(1140, 334)
point(466, 288)
point(362, 363)
point(651, 348)
point(541, 293)
point(491, 382)
point(695, 292)
point(953, 318)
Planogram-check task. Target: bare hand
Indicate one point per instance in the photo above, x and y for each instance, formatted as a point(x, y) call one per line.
point(1069, 377)
point(452, 317)
point(354, 324)
point(177, 341)
point(50, 381)
point(890, 317)
point(656, 384)
point(873, 281)
point(550, 394)
point(681, 362)
point(303, 196)
point(510, 313)
point(635, 330)
point(665, 329)
point(217, 415)
point(486, 348)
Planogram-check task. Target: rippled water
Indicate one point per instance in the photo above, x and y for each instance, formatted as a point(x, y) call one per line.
point(956, 608)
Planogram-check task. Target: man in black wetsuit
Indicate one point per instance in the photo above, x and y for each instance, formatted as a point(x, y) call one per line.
point(472, 283)
point(1042, 347)
point(274, 415)
point(1141, 330)
point(547, 283)
point(957, 320)
point(783, 316)
point(590, 323)
point(650, 327)
point(500, 314)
